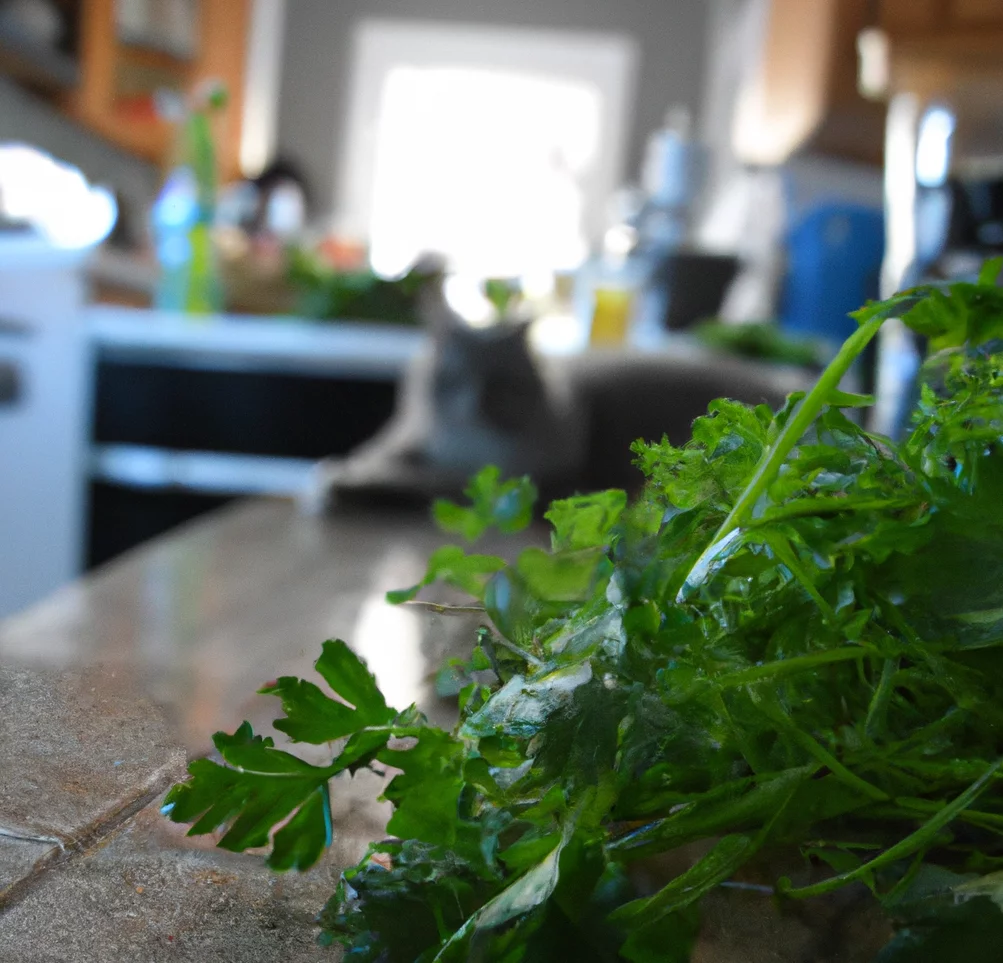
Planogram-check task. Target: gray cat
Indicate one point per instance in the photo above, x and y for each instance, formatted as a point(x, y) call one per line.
point(473, 397)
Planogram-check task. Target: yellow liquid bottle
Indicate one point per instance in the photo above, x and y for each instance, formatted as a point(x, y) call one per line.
point(611, 312)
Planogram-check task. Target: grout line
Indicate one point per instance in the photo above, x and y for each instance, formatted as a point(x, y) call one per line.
point(63, 853)
point(26, 837)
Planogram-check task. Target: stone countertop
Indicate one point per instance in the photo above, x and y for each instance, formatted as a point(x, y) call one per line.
point(107, 686)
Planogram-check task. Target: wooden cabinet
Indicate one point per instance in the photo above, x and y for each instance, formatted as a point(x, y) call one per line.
point(121, 71)
point(937, 46)
point(903, 18)
point(909, 17)
point(802, 94)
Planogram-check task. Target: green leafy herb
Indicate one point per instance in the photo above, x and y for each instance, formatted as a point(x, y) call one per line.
point(507, 506)
point(452, 565)
point(503, 293)
point(764, 341)
point(780, 668)
point(328, 294)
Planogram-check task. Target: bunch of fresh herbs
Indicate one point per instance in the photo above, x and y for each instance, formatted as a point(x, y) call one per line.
point(328, 294)
point(762, 341)
point(788, 651)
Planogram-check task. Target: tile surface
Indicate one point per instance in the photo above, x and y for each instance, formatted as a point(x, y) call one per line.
point(21, 859)
point(149, 894)
point(200, 619)
point(102, 683)
point(79, 748)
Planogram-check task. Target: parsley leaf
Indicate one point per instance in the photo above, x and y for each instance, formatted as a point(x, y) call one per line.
point(508, 506)
point(783, 663)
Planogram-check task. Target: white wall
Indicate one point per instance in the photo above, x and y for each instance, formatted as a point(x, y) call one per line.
point(671, 35)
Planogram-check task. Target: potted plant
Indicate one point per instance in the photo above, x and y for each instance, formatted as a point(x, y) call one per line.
point(766, 695)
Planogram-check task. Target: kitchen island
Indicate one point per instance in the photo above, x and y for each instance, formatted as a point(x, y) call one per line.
point(109, 685)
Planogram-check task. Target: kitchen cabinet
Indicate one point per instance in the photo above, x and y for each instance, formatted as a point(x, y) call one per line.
point(801, 93)
point(44, 415)
point(935, 18)
point(190, 413)
point(109, 59)
point(950, 48)
point(125, 58)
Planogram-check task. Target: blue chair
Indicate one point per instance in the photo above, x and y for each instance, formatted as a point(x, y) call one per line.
point(833, 267)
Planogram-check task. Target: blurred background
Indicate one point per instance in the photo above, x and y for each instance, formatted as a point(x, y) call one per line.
point(328, 248)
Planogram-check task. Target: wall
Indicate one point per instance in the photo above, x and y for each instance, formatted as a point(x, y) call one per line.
point(316, 63)
point(28, 120)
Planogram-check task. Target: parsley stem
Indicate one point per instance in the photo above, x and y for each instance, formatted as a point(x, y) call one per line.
point(442, 608)
point(815, 507)
point(904, 847)
point(878, 708)
point(516, 650)
point(803, 416)
point(782, 667)
point(827, 759)
point(910, 808)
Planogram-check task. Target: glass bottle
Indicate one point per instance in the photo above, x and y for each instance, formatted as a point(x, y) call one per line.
point(184, 211)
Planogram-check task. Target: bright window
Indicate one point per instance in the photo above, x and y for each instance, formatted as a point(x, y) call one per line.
point(498, 148)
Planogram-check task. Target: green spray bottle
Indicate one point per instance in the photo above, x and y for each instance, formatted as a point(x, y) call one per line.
point(184, 210)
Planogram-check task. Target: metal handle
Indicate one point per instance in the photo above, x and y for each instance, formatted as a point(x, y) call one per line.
point(14, 327)
point(10, 384)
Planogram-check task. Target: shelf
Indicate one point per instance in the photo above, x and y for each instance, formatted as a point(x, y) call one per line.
point(27, 60)
point(148, 139)
point(158, 58)
point(201, 472)
point(246, 343)
point(146, 45)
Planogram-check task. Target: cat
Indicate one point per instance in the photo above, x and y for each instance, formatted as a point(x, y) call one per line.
point(473, 397)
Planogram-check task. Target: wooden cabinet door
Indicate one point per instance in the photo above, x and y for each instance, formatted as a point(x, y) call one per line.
point(939, 46)
point(222, 27)
point(899, 17)
point(917, 17)
point(804, 94)
point(976, 13)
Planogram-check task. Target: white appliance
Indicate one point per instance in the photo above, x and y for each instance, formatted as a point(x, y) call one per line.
point(44, 417)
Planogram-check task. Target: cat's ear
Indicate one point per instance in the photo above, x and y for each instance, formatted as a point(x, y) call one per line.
point(436, 316)
point(429, 265)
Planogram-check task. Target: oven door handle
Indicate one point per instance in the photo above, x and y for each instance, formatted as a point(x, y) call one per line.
point(14, 327)
point(10, 384)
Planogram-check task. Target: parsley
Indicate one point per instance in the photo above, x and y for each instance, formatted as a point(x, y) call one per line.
point(788, 651)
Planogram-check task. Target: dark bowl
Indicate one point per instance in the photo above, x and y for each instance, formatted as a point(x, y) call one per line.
point(696, 284)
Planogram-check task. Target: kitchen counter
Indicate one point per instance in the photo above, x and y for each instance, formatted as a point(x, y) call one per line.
point(108, 685)
point(233, 342)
